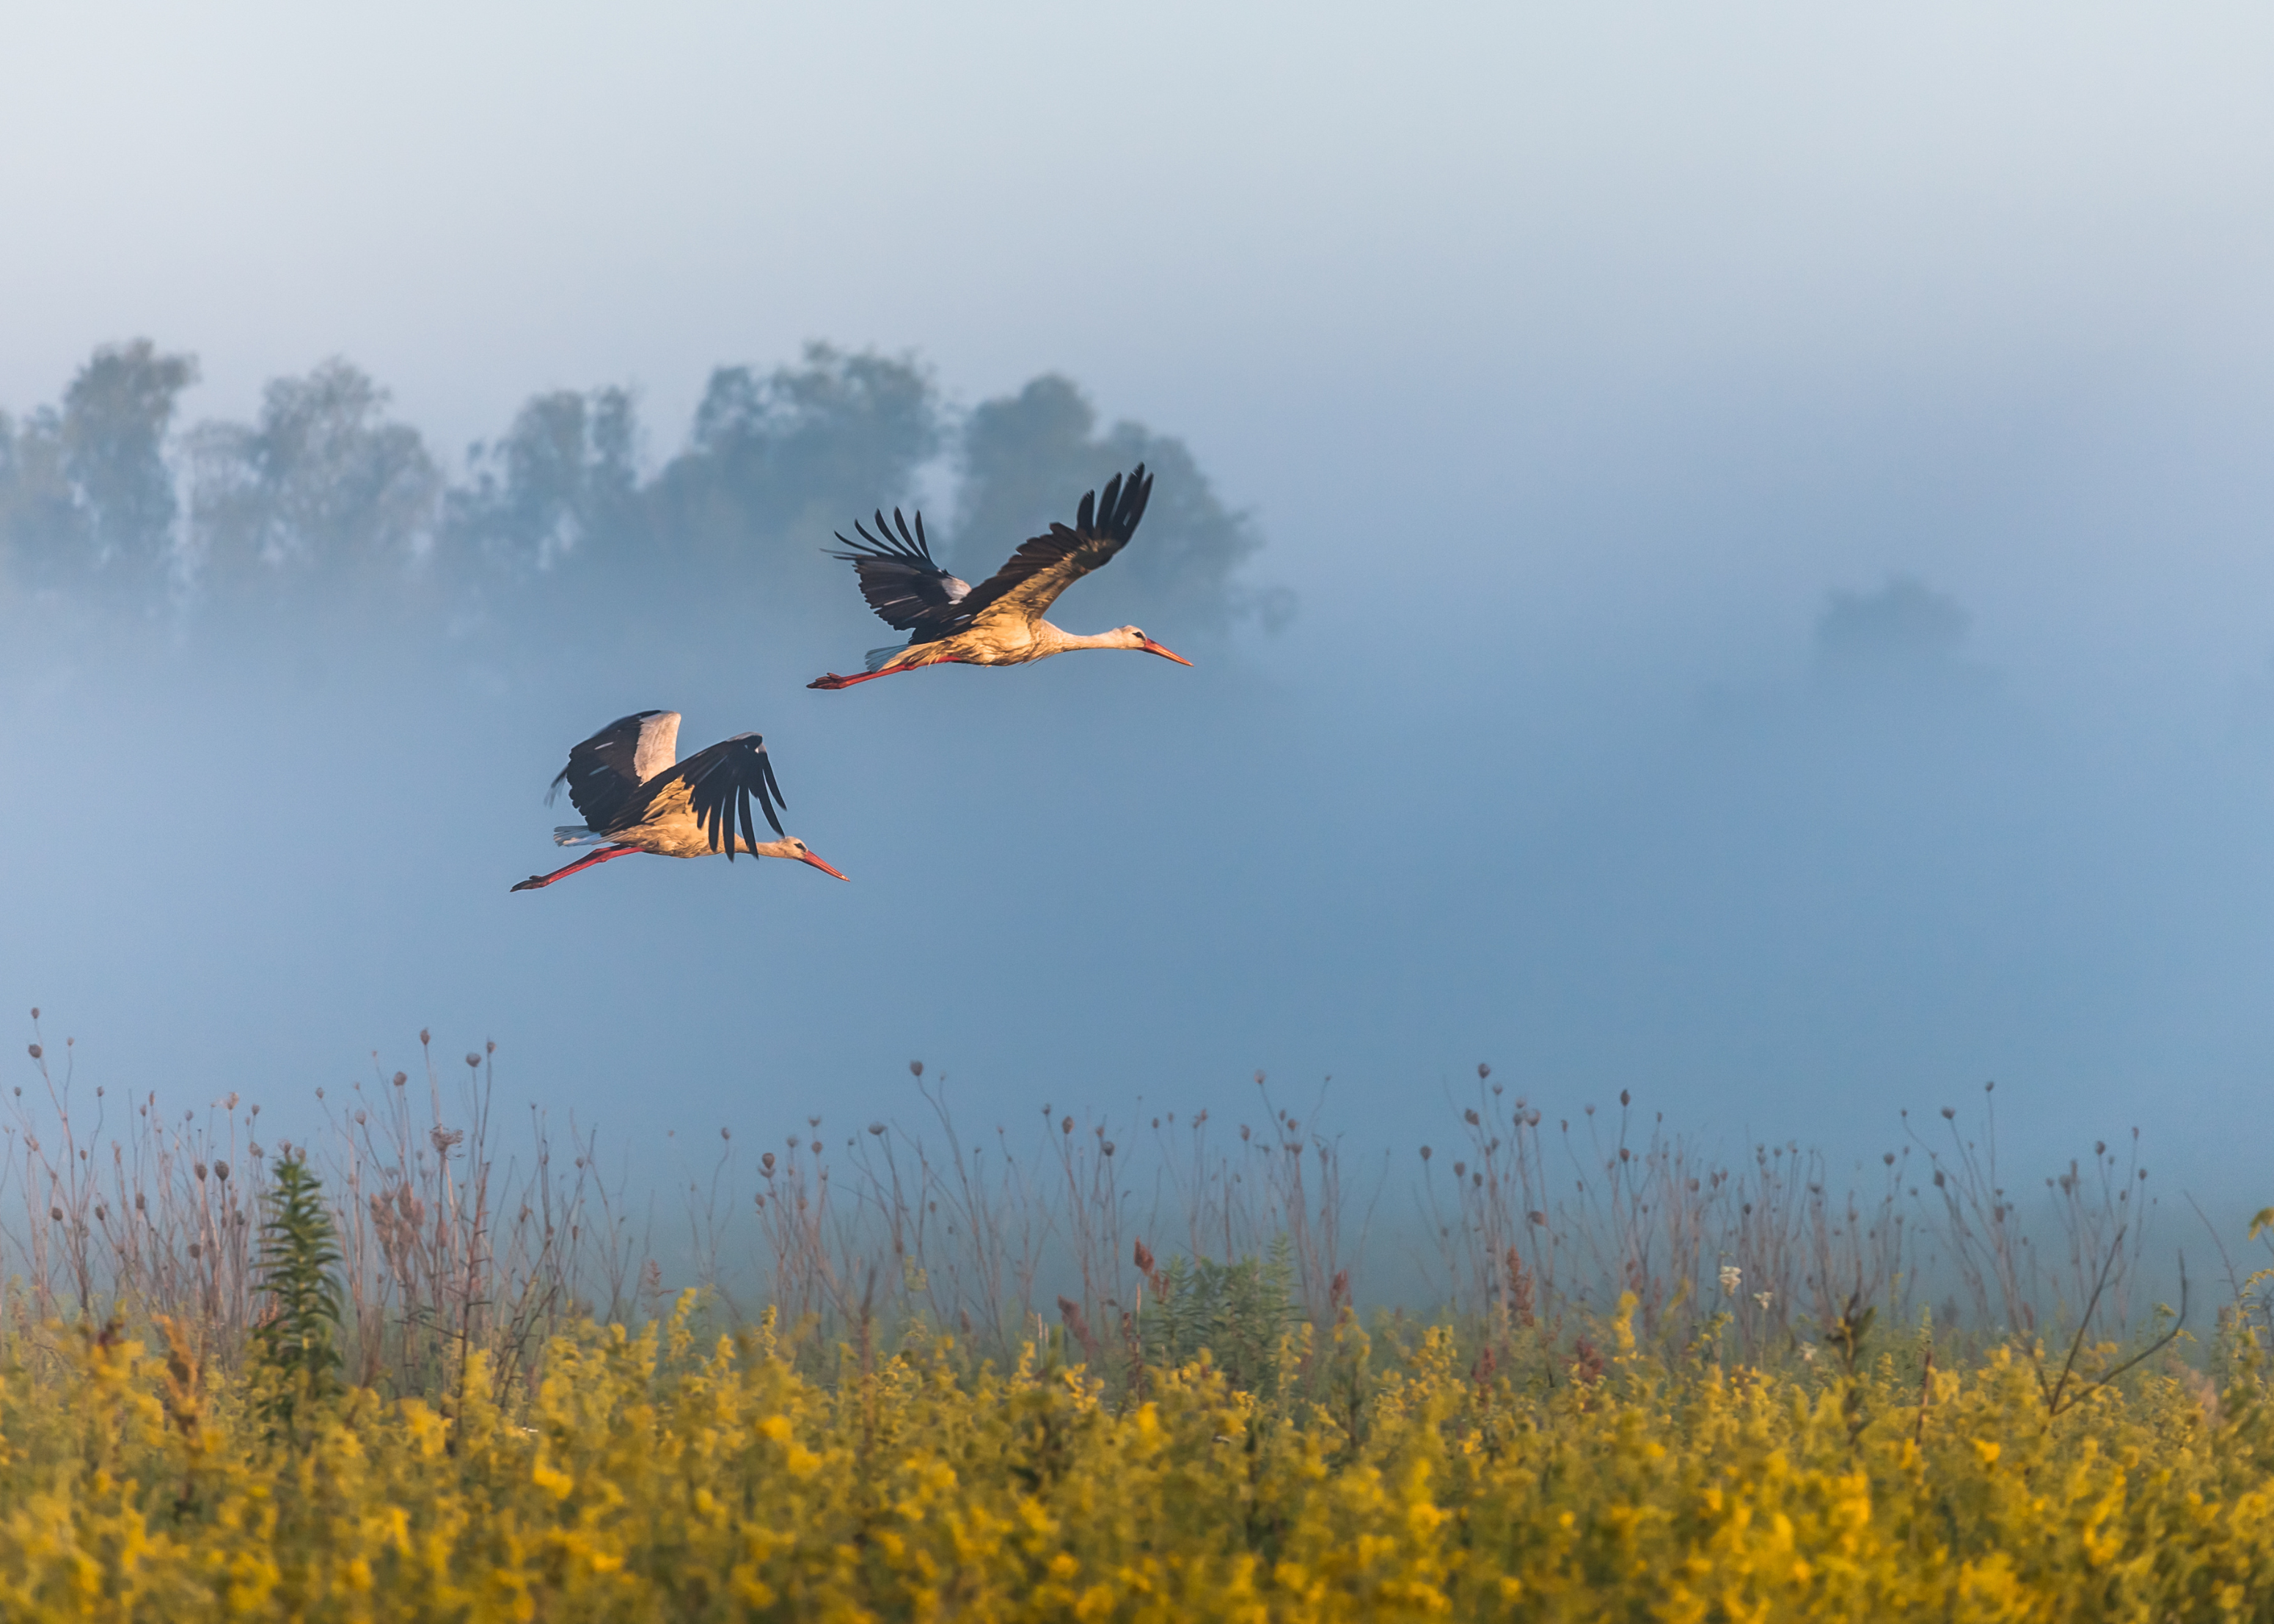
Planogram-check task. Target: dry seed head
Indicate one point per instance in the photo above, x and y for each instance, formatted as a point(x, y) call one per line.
point(220, 1169)
point(55, 1212)
point(35, 1054)
point(915, 1068)
point(1625, 1098)
point(817, 1147)
point(877, 1130)
point(424, 1037)
point(1471, 1117)
point(1538, 1217)
point(196, 1252)
point(1483, 1071)
point(1066, 1126)
point(199, 1167)
point(401, 1078)
point(490, 1048)
point(473, 1062)
point(1427, 1153)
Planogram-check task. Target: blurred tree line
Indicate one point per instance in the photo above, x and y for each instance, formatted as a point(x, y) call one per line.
point(326, 500)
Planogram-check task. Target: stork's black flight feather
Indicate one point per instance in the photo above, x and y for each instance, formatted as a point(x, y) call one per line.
point(604, 772)
point(722, 783)
point(910, 592)
point(907, 590)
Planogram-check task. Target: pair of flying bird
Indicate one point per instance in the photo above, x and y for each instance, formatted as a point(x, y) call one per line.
point(636, 796)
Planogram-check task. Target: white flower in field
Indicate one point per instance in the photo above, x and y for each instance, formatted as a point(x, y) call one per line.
point(1732, 1277)
point(1807, 1353)
point(1764, 1297)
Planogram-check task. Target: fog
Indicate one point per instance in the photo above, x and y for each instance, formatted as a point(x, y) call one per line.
point(1728, 557)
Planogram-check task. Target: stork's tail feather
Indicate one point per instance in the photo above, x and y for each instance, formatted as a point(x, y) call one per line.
point(576, 834)
point(877, 657)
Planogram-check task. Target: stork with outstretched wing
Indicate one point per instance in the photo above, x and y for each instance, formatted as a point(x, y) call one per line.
point(636, 798)
point(1000, 622)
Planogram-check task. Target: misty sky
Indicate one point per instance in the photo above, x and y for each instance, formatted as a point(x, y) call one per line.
point(1572, 361)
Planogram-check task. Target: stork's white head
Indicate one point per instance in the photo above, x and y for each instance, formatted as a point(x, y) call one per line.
point(1132, 638)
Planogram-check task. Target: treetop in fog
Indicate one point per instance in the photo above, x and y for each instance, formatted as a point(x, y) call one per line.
point(107, 498)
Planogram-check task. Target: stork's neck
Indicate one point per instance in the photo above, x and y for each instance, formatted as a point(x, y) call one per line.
point(1060, 641)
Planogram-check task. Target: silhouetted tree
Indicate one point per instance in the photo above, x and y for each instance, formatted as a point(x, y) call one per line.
point(784, 459)
point(41, 531)
point(1028, 457)
point(115, 416)
point(323, 498)
point(88, 489)
point(321, 484)
point(562, 480)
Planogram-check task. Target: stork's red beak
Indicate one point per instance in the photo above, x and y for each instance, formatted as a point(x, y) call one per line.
point(817, 863)
point(1151, 647)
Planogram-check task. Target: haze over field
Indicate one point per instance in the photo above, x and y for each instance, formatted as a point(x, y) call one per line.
point(1728, 551)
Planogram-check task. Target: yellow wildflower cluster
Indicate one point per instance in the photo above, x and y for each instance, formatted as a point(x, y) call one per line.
point(655, 1476)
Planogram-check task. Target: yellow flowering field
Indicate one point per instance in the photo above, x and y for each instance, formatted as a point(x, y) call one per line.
point(669, 1474)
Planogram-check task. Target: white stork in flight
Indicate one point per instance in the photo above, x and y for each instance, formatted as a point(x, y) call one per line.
point(634, 798)
point(1000, 622)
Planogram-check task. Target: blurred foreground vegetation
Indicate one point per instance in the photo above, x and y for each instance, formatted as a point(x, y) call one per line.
point(389, 1376)
point(1405, 1471)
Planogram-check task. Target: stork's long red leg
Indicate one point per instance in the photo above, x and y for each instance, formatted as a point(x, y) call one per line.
point(600, 856)
point(832, 680)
